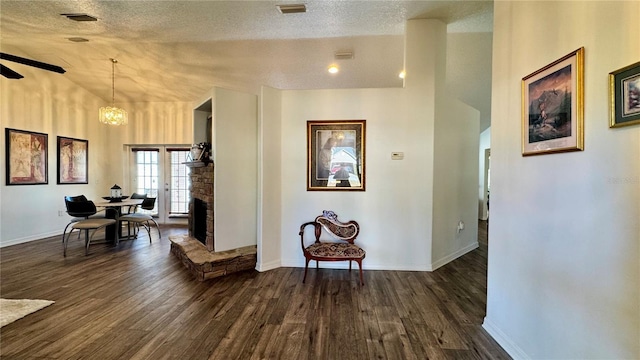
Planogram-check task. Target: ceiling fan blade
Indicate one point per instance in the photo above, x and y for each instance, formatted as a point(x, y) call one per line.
point(29, 62)
point(8, 73)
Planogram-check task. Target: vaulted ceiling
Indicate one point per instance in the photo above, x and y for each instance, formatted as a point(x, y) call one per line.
point(178, 50)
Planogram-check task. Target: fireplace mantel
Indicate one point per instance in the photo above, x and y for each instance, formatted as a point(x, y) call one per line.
point(197, 164)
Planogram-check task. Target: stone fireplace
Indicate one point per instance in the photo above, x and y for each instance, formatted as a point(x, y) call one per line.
point(201, 220)
point(200, 208)
point(196, 250)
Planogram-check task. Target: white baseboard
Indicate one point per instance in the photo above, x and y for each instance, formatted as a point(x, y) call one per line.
point(449, 258)
point(299, 263)
point(262, 267)
point(4, 243)
point(504, 340)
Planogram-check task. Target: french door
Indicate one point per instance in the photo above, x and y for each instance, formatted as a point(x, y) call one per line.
point(158, 171)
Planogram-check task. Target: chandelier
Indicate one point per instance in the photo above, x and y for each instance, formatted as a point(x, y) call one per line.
point(112, 115)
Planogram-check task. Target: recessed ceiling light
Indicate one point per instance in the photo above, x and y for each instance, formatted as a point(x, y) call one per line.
point(80, 17)
point(292, 8)
point(333, 69)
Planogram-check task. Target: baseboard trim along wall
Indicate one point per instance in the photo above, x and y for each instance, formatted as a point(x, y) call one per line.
point(30, 238)
point(449, 258)
point(268, 266)
point(504, 340)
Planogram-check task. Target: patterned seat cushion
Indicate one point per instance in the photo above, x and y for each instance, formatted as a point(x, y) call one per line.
point(336, 250)
point(343, 231)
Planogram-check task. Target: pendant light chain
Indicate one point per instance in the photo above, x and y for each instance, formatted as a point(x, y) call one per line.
point(113, 81)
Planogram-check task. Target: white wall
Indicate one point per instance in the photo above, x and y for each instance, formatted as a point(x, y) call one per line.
point(396, 210)
point(235, 151)
point(485, 144)
point(157, 123)
point(270, 181)
point(49, 103)
point(393, 209)
point(150, 123)
point(456, 166)
point(470, 53)
point(564, 256)
point(30, 212)
point(456, 128)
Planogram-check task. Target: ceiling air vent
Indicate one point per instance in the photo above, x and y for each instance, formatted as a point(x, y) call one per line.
point(344, 55)
point(77, 39)
point(80, 17)
point(292, 8)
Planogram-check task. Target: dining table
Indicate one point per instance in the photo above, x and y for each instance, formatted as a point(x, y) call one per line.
point(114, 209)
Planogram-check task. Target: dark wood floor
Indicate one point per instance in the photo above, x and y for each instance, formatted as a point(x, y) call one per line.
point(136, 301)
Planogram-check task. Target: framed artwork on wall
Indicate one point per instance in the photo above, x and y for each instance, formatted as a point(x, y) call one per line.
point(26, 157)
point(553, 107)
point(624, 96)
point(336, 155)
point(73, 166)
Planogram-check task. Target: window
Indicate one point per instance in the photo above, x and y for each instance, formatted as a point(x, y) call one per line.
point(180, 182)
point(147, 170)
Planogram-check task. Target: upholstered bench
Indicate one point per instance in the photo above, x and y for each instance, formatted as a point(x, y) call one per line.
point(345, 250)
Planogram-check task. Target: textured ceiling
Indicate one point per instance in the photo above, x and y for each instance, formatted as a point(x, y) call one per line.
point(178, 50)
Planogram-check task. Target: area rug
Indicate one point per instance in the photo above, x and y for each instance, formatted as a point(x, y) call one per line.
point(14, 309)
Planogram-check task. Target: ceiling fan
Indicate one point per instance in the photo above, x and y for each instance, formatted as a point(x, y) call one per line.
point(10, 74)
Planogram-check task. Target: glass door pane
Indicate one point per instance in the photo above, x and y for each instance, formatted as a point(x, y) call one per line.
point(179, 195)
point(159, 172)
point(146, 176)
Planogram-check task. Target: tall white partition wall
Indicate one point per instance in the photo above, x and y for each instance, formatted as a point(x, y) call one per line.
point(235, 156)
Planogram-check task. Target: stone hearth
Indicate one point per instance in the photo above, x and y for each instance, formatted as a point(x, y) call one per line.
point(199, 256)
point(204, 264)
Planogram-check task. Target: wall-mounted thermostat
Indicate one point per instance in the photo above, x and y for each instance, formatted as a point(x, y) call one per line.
point(397, 155)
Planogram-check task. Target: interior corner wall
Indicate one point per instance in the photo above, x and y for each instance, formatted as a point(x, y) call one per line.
point(564, 249)
point(455, 133)
point(235, 149)
point(395, 212)
point(270, 184)
point(455, 170)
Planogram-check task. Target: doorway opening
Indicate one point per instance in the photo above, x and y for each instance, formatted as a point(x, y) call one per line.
point(159, 172)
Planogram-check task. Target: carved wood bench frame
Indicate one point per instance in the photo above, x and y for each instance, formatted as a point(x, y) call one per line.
point(345, 250)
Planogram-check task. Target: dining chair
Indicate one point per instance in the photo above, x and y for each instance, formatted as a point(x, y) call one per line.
point(76, 215)
point(86, 224)
point(134, 208)
point(138, 219)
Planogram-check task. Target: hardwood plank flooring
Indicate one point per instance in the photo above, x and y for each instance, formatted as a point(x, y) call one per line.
point(137, 301)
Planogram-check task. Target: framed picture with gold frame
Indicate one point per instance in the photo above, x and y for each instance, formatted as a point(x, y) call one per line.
point(336, 155)
point(624, 96)
point(553, 107)
point(27, 157)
